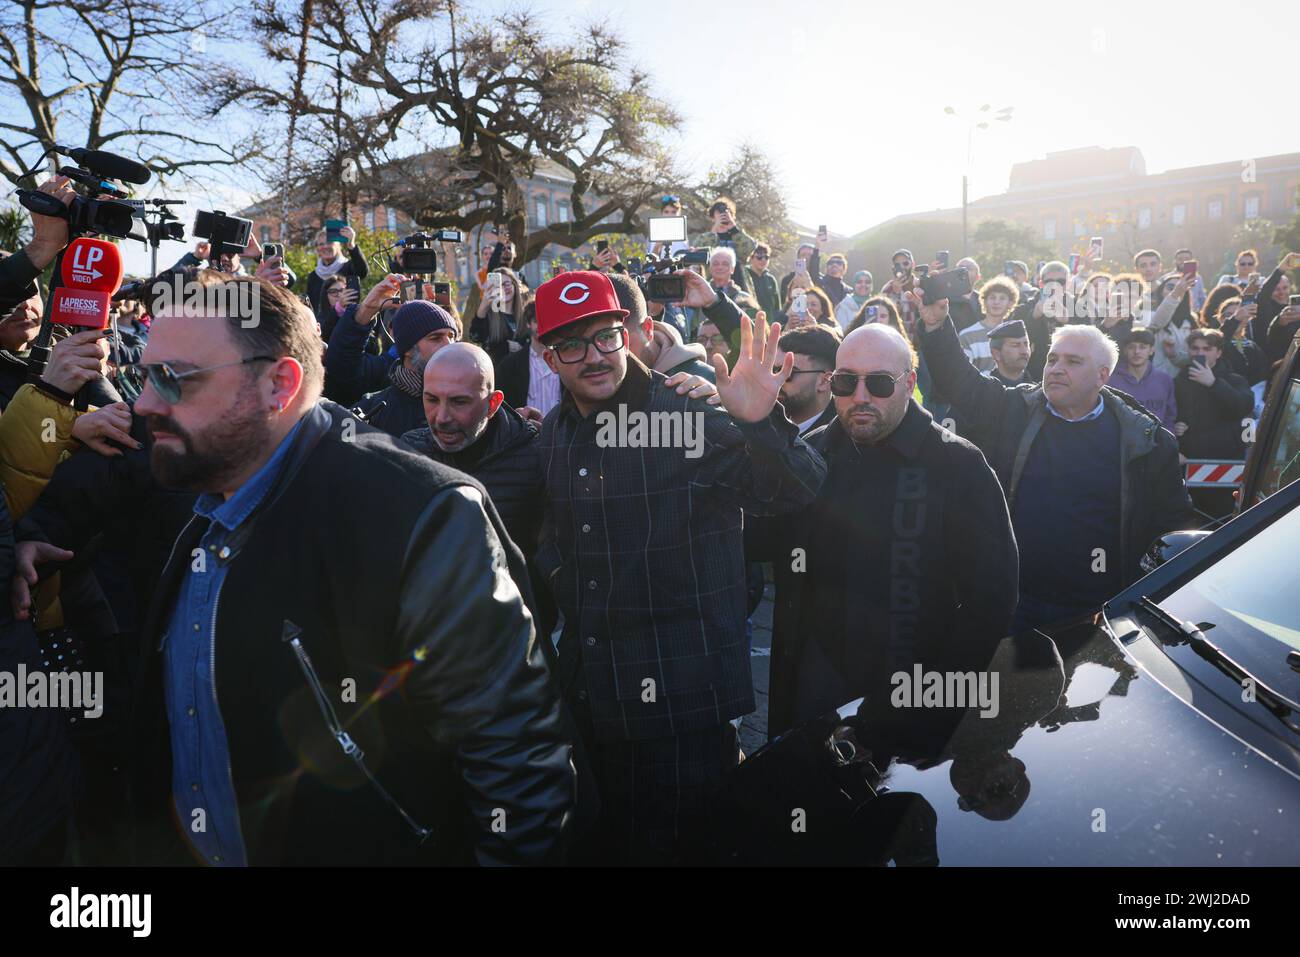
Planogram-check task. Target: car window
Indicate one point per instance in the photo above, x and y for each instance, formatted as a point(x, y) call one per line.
point(1249, 597)
point(1280, 464)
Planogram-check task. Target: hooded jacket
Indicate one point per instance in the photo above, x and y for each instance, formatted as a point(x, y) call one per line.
point(1004, 422)
point(678, 356)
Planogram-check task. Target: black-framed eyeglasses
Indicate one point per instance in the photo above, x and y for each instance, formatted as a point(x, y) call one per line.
point(879, 384)
point(574, 349)
point(167, 382)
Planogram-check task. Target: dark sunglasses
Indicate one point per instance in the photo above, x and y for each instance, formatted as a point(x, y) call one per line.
point(764, 258)
point(167, 382)
point(574, 350)
point(879, 384)
point(1246, 262)
point(776, 370)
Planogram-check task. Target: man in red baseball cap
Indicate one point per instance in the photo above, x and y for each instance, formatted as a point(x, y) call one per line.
point(642, 546)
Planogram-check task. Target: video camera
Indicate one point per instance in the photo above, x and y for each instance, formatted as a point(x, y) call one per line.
point(656, 275)
point(87, 215)
point(225, 234)
point(417, 253)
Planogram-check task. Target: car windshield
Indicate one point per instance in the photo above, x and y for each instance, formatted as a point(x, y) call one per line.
point(1280, 462)
point(1249, 596)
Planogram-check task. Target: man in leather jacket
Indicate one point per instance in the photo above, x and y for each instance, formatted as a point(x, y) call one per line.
point(329, 692)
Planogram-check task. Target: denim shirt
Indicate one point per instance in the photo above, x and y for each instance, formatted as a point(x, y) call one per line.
point(201, 779)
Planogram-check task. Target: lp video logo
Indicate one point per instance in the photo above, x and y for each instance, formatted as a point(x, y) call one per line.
point(85, 257)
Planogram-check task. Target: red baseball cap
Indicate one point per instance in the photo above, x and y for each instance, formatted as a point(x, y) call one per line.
point(573, 296)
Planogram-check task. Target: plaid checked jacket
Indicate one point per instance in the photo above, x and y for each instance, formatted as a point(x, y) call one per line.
point(645, 554)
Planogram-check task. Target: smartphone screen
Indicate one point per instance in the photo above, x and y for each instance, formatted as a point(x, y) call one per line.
point(799, 304)
point(1189, 268)
point(410, 290)
point(602, 245)
point(942, 258)
point(801, 265)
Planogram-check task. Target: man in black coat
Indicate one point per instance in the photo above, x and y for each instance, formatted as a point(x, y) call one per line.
point(471, 428)
point(1214, 404)
point(420, 328)
point(905, 557)
point(1090, 476)
point(329, 692)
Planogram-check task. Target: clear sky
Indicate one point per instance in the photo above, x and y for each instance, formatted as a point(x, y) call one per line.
point(849, 97)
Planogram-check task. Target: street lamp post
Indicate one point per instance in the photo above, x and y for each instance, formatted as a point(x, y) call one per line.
point(979, 122)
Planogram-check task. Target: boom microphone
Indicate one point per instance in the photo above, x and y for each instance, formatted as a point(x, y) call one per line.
point(109, 164)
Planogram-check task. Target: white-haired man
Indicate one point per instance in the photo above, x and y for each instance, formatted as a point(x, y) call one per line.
point(722, 268)
point(1091, 477)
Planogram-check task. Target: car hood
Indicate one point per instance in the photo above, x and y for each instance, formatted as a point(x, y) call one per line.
point(1088, 760)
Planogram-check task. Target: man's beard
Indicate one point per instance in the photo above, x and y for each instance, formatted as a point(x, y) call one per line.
point(212, 458)
point(470, 435)
point(871, 431)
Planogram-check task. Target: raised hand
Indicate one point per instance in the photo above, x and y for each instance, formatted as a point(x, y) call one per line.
point(750, 389)
point(933, 314)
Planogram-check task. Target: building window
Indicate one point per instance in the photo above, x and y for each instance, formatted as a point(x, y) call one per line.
point(1252, 207)
point(1179, 213)
point(392, 220)
point(561, 212)
point(370, 219)
point(1144, 217)
point(542, 211)
point(1049, 228)
point(1214, 209)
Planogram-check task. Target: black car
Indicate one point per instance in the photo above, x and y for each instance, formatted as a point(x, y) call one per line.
point(1163, 730)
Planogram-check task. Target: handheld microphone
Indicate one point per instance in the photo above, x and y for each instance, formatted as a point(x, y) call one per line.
point(109, 164)
point(92, 272)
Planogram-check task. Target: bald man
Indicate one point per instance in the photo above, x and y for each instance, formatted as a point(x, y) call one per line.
point(906, 556)
point(471, 428)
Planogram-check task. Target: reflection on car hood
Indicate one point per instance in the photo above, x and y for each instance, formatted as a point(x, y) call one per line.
point(1087, 761)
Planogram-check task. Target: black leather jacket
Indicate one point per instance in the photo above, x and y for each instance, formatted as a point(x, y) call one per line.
point(422, 605)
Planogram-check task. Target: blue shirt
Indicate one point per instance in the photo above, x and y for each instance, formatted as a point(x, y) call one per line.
point(201, 779)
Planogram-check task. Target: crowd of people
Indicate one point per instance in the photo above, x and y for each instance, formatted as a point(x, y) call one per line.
point(370, 582)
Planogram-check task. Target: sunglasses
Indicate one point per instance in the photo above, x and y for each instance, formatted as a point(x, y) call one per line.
point(1246, 262)
point(879, 384)
point(776, 370)
point(574, 350)
point(757, 256)
point(167, 382)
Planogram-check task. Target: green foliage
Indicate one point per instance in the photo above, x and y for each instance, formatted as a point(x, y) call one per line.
point(14, 228)
point(994, 241)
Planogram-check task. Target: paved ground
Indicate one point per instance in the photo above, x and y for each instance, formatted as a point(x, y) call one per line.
point(753, 729)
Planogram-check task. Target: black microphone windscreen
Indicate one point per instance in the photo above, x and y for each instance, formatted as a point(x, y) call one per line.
point(112, 166)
